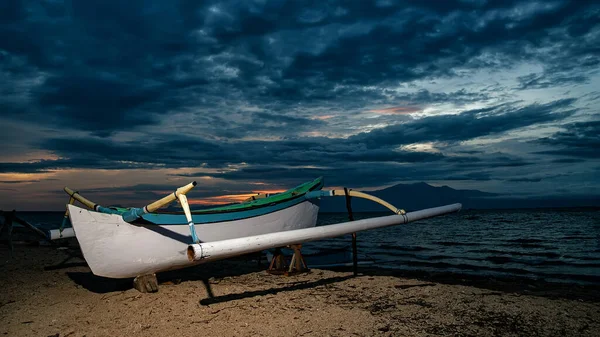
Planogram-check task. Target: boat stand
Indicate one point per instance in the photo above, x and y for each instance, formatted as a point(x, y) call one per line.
point(146, 283)
point(297, 264)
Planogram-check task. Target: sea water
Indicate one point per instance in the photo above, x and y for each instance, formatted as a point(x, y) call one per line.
point(555, 245)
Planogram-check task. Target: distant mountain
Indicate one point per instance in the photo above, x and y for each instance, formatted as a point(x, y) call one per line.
point(422, 195)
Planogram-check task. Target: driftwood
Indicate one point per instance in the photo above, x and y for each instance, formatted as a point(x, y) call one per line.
point(31, 227)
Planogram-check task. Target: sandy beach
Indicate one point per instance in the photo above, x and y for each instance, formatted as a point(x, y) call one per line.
point(47, 291)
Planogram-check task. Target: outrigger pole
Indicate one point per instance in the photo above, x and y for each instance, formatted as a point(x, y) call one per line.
point(217, 250)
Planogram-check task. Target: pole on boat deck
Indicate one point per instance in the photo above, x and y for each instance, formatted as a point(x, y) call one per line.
point(351, 218)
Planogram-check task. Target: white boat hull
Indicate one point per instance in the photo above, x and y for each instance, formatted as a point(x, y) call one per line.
point(117, 249)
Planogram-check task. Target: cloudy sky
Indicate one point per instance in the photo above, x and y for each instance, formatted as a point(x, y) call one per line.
point(127, 100)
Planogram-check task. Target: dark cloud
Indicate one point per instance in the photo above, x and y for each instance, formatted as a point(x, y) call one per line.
point(536, 178)
point(469, 152)
point(580, 139)
point(365, 157)
point(467, 125)
point(273, 90)
point(181, 151)
point(176, 151)
point(264, 124)
point(353, 174)
point(131, 63)
point(476, 176)
point(101, 67)
point(51, 165)
point(577, 152)
point(97, 104)
point(545, 80)
point(431, 42)
point(285, 121)
point(568, 160)
point(493, 160)
point(526, 180)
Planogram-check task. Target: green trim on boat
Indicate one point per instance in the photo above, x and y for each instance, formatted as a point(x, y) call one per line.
point(316, 184)
point(274, 199)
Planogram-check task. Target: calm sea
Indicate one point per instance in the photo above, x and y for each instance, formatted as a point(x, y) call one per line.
point(555, 245)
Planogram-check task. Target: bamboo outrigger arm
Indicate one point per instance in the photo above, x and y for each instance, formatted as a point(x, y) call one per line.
point(89, 204)
point(136, 213)
point(333, 193)
point(63, 232)
point(188, 216)
point(128, 216)
point(133, 213)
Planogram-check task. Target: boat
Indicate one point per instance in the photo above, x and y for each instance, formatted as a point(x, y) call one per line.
point(304, 198)
point(286, 206)
point(133, 242)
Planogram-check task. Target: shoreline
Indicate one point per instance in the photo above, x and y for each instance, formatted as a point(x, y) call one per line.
point(41, 297)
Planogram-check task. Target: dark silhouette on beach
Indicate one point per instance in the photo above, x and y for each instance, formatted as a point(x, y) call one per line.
point(8, 223)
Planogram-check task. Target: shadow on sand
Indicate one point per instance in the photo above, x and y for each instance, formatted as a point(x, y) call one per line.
point(272, 291)
point(220, 269)
point(72, 253)
point(98, 284)
point(252, 263)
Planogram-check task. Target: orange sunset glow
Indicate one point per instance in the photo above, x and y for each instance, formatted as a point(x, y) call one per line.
point(324, 117)
point(229, 198)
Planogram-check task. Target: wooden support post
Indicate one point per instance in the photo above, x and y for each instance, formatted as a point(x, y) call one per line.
point(278, 262)
point(280, 266)
point(351, 218)
point(146, 283)
point(297, 265)
point(354, 255)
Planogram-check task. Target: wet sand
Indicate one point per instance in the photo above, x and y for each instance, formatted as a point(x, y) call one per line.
point(47, 291)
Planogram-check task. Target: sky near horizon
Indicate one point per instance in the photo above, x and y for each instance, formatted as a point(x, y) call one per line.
point(127, 100)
